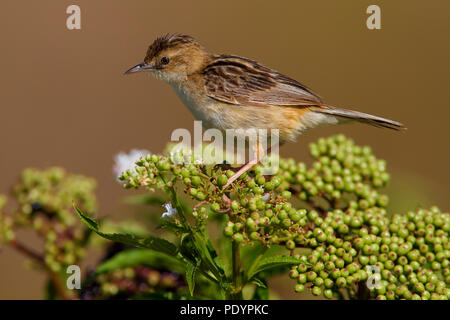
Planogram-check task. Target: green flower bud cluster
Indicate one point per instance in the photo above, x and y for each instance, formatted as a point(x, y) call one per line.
point(268, 218)
point(343, 172)
point(52, 191)
point(63, 246)
point(257, 211)
point(333, 208)
point(146, 173)
point(411, 253)
point(414, 256)
point(129, 282)
point(44, 200)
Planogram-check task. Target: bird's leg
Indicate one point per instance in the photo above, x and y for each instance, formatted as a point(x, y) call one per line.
point(257, 157)
point(228, 204)
point(226, 199)
point(243, 169)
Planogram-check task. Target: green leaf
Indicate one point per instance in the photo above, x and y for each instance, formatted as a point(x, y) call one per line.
point(272, 262)
point(137, 257)
point(148, 242)
point(187, 248)
point(261, 290)
point(204, 249)
point(190, 277)
point(214, 256)
point(268, 273)
point(211, 250)
point(258, 282)
point(194, 248)
point(171, 226)
point(252, 255)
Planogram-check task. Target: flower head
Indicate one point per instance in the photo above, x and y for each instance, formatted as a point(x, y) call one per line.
point(170, 211)
point(126, 161)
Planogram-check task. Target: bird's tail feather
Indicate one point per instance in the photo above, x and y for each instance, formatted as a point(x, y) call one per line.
point(360, 117)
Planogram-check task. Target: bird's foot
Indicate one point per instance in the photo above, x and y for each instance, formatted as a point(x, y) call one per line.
point(228, 204)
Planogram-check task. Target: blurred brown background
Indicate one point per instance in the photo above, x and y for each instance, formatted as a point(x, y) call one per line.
point(65, 102)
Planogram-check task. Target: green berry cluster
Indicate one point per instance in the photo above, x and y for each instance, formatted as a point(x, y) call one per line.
point(257, 207)
point(342, 174)
point(410, 252)
point(44, 200)
point(349, 229)
point(262, 208)
point(63, 246)
point(52, 192)
point(333, 210)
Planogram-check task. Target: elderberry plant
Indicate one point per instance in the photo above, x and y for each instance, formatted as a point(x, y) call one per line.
point(331, 218)
point(325, 226)
point(42, 203)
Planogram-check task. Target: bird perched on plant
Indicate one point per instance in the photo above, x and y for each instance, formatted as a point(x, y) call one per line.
point(231, 92)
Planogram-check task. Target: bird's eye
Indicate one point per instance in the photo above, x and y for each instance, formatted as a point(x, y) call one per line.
point(165, 60)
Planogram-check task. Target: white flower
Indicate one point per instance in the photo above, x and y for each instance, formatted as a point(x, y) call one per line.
point(170, 211)
point(266, 196)
point(127, 161)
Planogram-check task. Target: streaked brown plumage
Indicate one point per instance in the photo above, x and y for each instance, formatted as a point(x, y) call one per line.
point(231, 92)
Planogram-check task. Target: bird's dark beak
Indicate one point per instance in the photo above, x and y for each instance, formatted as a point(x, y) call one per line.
point(137, 68)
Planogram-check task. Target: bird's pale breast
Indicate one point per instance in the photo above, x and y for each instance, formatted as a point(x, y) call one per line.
point(291, 121)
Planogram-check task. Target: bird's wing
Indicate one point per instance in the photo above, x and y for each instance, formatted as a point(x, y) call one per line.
point(242, 81)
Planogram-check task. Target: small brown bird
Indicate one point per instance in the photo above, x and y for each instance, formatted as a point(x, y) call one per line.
point(231, 92)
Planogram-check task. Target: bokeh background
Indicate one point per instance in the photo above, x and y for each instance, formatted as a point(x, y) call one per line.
point(64, 100)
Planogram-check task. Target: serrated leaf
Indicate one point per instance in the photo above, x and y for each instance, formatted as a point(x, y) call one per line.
point(258, 282)
point(148, 242)
point(252, 253)
point(190, 277)
point(136, 257)
point(261, 291)
point(193, 247)
point(272, 262)
point(204, 249)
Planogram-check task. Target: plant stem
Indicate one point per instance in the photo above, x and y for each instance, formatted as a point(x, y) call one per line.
point(177, 203)
point(26, 251)
point(236, 293)
point(174, 198)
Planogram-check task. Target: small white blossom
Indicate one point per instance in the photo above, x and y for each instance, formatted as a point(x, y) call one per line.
point(170, 211)
point(127, 161)
point(266, 196)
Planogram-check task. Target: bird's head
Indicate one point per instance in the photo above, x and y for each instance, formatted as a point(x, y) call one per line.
point(172, 58)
